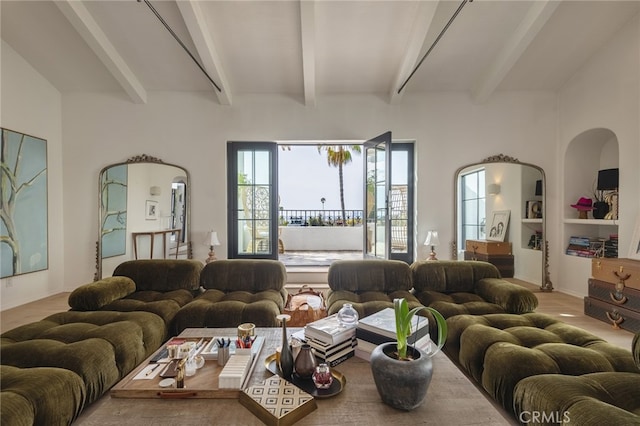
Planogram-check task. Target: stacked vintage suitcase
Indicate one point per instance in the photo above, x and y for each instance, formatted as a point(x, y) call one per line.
point(614, 292)
point(497, 253)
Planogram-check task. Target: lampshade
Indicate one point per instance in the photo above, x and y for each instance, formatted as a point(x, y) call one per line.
point(493, 189)
point(432, 239)
point(608, 179)
point(539, 187)
point(214, 238)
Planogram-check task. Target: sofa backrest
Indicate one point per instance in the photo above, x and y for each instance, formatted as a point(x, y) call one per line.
point(161, 274)
point(244, 275)
point(450, 276)
point(360, 276)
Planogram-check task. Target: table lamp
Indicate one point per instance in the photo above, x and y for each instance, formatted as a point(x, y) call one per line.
point(213, 241)
point(432, 240)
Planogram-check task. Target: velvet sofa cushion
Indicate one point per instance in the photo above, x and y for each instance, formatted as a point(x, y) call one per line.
point(244, 275)
point(445, 276)
point(100, 347)
point(375, 275)
point(214, 308)
point(93, 296)
point(40, 396)
point(162, 275)
point(589, 399)
point(499, 350)
point(468, 287)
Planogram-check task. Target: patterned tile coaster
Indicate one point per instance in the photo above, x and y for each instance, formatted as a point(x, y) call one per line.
point(277, 402)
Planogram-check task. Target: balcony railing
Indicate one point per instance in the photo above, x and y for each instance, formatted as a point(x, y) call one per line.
point(320, 218)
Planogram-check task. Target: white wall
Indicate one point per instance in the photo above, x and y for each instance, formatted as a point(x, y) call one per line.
point(605, 93)
point(33, 106)
point(191, 130)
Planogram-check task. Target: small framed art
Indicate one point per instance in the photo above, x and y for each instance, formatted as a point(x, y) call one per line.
point(499, 224)
point(151, 212)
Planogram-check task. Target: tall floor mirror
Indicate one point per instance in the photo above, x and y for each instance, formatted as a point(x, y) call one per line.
point(502, 189)
point(144, 213)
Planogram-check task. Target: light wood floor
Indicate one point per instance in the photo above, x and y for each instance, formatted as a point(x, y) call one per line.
point(563, 306)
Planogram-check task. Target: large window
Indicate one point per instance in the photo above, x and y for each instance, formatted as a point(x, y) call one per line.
point(473, 216)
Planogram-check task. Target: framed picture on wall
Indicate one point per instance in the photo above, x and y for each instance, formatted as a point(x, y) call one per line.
point(499, 224)
point(151, 212)
point(534, 209)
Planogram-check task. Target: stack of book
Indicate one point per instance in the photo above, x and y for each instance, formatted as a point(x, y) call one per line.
point(380, 328)
point(332, 342)
point(584, 246)
point(611, 246)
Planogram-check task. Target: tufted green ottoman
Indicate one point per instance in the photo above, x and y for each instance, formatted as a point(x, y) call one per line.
point(591, 399)
point(40, 396)
point(499, 350)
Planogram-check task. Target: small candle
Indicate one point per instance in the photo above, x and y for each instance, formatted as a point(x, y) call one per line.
point(322, 377)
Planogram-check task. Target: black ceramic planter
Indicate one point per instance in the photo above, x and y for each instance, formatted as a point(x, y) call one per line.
point(401, 384)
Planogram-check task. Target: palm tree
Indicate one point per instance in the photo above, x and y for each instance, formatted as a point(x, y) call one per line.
point(338, 156)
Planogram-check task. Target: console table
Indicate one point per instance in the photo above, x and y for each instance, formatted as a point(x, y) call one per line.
point(152, 235)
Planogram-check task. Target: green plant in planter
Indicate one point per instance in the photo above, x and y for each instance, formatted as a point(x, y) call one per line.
point(402, 380)
point(403, 325)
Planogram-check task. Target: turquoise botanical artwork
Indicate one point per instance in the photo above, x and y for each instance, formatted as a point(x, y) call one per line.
point(113, 185)
point(23, 198)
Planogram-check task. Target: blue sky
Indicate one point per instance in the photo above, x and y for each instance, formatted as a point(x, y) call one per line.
point(305, 177)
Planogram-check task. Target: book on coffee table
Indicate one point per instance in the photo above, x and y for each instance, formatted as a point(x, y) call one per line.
point(383, 323)
point(277, 402)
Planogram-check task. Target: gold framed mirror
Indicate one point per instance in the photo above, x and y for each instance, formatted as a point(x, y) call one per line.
point(503, 187)
point(144, 212)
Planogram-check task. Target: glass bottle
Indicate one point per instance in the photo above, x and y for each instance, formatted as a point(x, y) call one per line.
point(285, 365)
point(306, 362)
point(348, 316)
point(322, 377)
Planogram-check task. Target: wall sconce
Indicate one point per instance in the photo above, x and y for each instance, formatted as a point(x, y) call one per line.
point(213, 241)
point(432, 240)
point(493, 189)
point(155, 190)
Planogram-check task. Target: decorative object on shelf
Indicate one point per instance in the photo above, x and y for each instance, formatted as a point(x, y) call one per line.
point(432, 240)
point(583, 205)
point(305, 364)
point(348, 316)
point(538, 188)
point(285, 362)
point(534, 209)
point(493, 189)
point(606, 188)
point(499, 224)
point(322, 377)
point(402, 373)
point(213, 241)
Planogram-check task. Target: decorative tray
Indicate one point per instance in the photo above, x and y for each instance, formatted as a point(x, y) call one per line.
point(339, 381)
point(210, 350)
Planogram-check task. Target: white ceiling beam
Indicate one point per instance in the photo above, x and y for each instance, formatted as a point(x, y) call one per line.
point(90, 31)
point(527, 30)
point(308, 36)
point(419, 30)
point(196, 23)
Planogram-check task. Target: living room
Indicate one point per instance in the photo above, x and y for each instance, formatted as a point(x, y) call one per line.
point(88, 124)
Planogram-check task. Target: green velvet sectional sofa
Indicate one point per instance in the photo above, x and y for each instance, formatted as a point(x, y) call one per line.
point(539, 369)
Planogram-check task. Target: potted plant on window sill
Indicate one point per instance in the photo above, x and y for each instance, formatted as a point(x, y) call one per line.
point(402, 373)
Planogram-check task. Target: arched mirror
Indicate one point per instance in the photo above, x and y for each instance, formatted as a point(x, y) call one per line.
point(500, 218)
point(144, 212)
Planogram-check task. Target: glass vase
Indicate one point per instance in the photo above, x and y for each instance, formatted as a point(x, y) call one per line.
point(348, 316)
point(285, 364)
point(305, 363)
point(322, 377)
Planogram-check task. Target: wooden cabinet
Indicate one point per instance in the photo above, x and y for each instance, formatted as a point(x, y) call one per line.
point(614, 293)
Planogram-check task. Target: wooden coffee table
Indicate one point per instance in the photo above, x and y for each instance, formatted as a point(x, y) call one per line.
point(452, 399)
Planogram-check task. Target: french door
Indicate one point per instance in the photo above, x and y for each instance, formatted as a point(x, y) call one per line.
point(377, 188)
point(253, 203)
